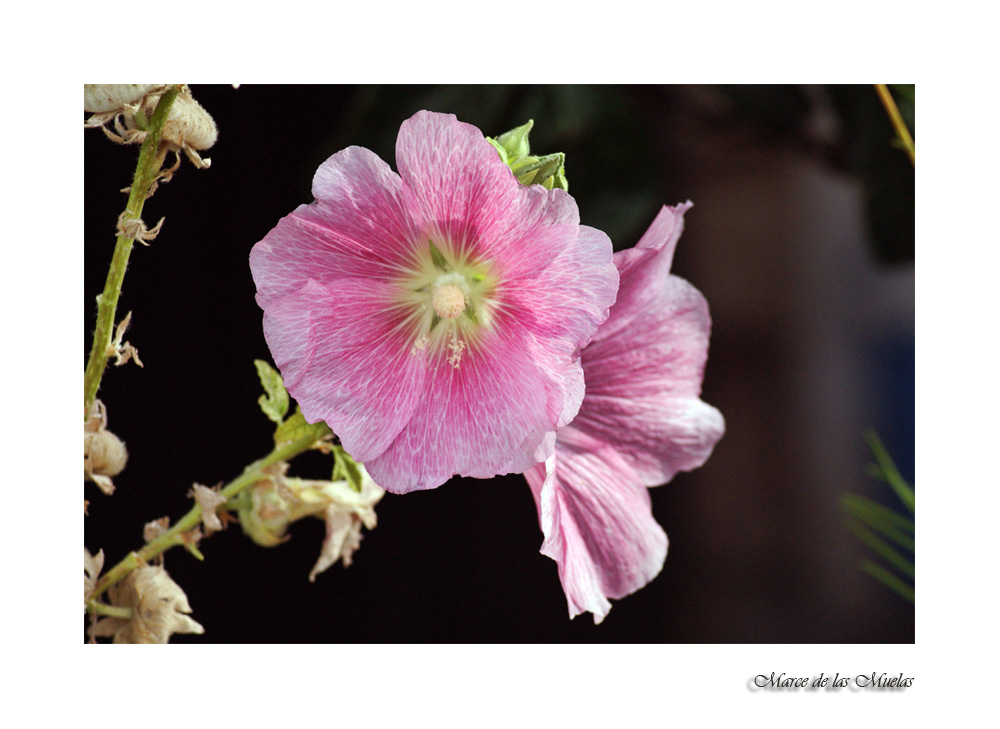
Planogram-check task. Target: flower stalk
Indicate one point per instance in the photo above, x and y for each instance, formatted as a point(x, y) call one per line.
point(175, 535)
point(147, 168)
point(897, 120)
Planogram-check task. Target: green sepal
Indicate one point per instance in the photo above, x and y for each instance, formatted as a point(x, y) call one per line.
point(263, 534)
point(346, 468)
point(513, 145)
point(274, 401)
point(549, 170)
point(438, 257)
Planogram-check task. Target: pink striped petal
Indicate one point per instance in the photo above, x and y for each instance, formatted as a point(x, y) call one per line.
point(597, 523)
point(341, 334)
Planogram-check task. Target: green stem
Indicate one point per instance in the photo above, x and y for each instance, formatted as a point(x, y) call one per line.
point(897, 120)
point(174, 536)
point(100, 608)
point(145, 172)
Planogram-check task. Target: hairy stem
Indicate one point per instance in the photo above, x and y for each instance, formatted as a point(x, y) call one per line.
point(174, 536)
point(145, 172)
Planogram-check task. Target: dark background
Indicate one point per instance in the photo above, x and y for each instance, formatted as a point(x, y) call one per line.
point(801, 238)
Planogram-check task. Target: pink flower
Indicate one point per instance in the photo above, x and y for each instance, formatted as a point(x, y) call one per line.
point(434, 318)
point(641, 422)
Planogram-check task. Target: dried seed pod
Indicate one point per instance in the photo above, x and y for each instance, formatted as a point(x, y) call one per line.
point(105, 453)
point(188, 124)
point(103, 98)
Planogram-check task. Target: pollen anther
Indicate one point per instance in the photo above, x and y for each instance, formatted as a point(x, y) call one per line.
point(448, 301)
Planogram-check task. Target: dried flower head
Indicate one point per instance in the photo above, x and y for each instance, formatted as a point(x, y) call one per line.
point(188, 128)
point(278, 500)
point(153, 529)
point(104, 454)
point(92, 566)
point(159, 609)
point(209, 500)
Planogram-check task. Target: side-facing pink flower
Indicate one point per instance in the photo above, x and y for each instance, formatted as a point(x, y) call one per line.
point(433, 318)
point(641, 422)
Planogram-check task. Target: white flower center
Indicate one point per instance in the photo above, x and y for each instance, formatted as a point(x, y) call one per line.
point(450, 295)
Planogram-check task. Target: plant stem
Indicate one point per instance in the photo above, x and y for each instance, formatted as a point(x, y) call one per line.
point(174, 536)
point(897, 120)
point(100, 608)
point(145, 172)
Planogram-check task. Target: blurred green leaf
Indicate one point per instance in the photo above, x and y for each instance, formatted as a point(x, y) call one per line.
point(888, 523)
point(889, 472)
point(888, 579)
point(874, 523)
point(879, 545)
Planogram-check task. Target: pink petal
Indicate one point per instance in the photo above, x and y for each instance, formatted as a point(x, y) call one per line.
point(345, 360)
point(643, 384)
point(358, 228)
point(487, 416)
point(645, 267)
point(597, 523)
point(457, 188)
point(561, 302)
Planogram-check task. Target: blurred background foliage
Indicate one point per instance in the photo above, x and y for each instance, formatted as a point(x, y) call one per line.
point(605, 131)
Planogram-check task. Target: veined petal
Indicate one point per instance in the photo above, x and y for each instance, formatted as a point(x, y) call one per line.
point(656, 436)
point(597, 522)
point(486, 416)
point(357, 228)
point(347, 357)
point(644, 268)
point(644, 378)
point(456, 187)
point(569, 296)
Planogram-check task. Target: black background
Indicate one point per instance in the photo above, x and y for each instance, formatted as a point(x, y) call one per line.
point(801, 238)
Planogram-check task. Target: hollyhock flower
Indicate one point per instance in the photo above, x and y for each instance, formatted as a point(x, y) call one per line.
point(433, 318)
point(641, 422)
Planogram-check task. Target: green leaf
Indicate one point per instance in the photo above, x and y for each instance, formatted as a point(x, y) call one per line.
point(274, 402)
point(346, 468)
point(879, 545)
point(296, 428)
point(885, 521)
point(888, 579)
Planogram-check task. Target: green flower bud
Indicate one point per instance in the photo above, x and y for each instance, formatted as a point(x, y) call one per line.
point(515, 151)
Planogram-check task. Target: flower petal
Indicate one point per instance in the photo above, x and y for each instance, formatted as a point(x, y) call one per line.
point(597, 522)
point(456, 187)
point(487, 416)
point(347, 359)
point(644, 268)
point(357, 228)
point(643, 384)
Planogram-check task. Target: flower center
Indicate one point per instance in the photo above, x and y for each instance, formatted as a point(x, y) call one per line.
point(448, 300)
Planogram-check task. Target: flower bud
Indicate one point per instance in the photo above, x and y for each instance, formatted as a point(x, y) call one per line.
point(548, 171)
